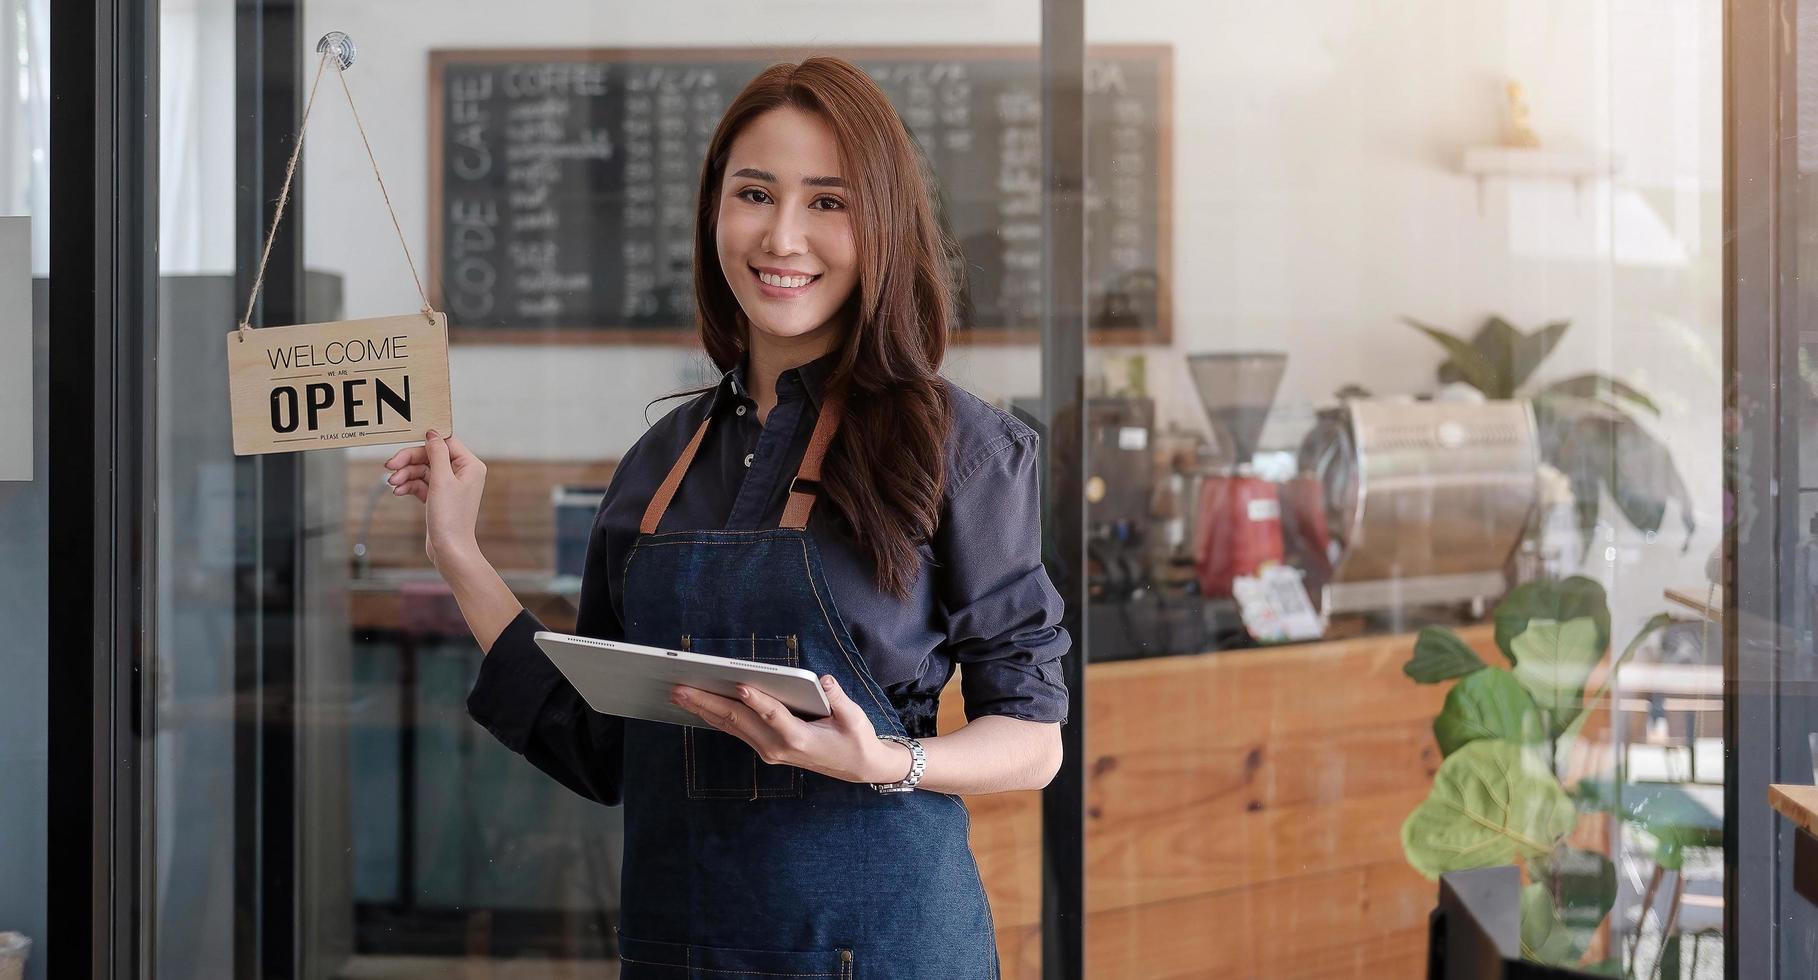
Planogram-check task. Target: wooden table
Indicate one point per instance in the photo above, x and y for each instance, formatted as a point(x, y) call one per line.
point(1800, 805)
point(1704, 600)
point(395, 599)
point(1686, 680)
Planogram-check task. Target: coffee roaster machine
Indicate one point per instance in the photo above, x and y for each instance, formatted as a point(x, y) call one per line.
point(1427, 501)
point(1387, 505)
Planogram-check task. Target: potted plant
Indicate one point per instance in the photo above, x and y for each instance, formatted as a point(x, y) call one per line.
point(1587, 426)
point(1498, 797)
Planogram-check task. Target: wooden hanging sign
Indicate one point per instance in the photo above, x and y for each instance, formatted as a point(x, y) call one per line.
point(334, 385)
point(348, 383)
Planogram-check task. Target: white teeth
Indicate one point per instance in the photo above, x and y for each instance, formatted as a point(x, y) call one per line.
point(787, 282)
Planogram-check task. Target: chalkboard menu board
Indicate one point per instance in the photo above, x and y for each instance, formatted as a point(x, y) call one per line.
point(564, 182)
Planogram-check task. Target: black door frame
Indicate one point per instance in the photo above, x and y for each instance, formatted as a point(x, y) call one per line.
point(1063, 351)
point(102, 589)
point(269, 55)
point(1768, 711)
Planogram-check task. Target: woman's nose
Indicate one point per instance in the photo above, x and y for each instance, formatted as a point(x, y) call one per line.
point(785, 235)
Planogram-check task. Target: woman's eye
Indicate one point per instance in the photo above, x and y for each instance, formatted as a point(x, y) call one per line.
point(754, 195)
point(829, 203)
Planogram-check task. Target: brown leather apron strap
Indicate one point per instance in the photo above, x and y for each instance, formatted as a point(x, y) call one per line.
point(806, 487)
point(653, 514)
point(802, 490)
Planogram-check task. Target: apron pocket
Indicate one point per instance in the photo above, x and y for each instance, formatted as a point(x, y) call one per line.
point(643, 959)
point(718, 766)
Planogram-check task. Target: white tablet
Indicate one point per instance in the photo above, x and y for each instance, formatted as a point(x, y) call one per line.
point(634, 681)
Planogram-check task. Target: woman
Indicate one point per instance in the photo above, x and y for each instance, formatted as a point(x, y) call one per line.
point(845, 510)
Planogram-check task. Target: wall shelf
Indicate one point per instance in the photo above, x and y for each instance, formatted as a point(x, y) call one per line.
point(1536, 163)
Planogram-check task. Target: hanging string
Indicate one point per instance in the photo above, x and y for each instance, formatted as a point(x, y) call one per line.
point(386, 195)
point(290, 171)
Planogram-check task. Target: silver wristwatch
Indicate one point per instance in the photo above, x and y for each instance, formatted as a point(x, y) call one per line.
point(918, 762)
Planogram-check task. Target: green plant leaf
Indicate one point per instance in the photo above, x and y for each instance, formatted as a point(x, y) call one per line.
point(1598, 446)
point(1667, 812)
point(1492, 802)
point(1563, 742)
point(1647, 480)
point(1465, 362)
point(1601, 387)
point(1554, 660)
point(1487, 704)
point(1439, 655)
point(1499, 344)
point(1529, 349)
point(1544, 938)
point(1559, 601)
point(1655, 623)
point(1576, 454)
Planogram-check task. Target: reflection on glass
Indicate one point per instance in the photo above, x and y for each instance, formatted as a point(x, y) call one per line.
point(1398, 535)
point(24, 484)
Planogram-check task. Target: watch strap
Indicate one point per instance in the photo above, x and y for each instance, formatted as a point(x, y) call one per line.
point(918, 764)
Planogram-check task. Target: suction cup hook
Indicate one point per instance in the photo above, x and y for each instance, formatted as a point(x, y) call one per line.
point(338, 45)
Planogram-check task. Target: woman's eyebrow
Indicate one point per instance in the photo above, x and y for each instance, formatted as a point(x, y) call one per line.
point(770, 178)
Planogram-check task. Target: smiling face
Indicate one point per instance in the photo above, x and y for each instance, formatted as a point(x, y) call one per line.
point(785, 234)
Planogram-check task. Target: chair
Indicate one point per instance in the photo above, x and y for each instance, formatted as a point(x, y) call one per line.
point(1676, 820)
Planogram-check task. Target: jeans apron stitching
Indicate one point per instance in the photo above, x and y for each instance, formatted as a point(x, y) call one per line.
point(676, 916)
point(680, 538)
point(695, 784)
point(863, 674)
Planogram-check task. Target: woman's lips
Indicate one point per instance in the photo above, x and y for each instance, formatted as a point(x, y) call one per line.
point(782, 292)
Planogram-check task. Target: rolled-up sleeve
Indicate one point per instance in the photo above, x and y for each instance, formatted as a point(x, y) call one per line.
point(526, 703)
point(1002, 613)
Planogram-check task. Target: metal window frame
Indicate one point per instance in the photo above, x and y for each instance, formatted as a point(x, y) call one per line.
point(1767, 928)
point(102, 586)
point(269, 521)
point(1063, 354)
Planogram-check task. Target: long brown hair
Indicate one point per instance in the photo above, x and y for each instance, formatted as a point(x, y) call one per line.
point(886, 468)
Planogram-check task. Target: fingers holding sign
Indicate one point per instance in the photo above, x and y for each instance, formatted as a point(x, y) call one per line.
point(409, 472)
point(449, 479)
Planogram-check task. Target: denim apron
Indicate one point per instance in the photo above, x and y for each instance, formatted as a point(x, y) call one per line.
point(736, 868)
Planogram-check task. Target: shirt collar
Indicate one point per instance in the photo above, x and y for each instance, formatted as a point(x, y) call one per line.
point(811, 376)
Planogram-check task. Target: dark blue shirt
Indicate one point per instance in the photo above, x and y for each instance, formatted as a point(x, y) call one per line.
point(983, 601)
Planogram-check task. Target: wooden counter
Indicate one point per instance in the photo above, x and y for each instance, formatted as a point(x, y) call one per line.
point(1244, 815)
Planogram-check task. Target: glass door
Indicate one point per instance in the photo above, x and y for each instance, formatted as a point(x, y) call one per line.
point(322, 803)
point(1772, 459)
point(1412, 408)
point(24, 484)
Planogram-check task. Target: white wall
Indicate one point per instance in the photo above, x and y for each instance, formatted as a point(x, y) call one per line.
point(1317, 197)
